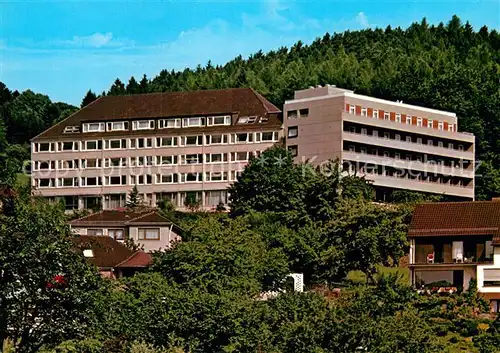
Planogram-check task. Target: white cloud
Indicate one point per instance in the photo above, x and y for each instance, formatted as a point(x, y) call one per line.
point(362, 20)
point(96, 40)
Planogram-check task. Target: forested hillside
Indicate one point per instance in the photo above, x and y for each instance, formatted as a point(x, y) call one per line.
point(451, 67)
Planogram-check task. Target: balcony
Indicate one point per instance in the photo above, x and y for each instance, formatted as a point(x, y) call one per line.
point(419, 185)
point(387, 124)
point(401, 164)
point(406, 146)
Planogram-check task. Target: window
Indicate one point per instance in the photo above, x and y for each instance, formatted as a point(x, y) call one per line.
point(141, 143)
point(45, 147)
point(142, 161)
point(450, 146)
point(116, 180)
point(166, 141)
point(93, 145)
point(387, 135)
point(166, 160)
point(192, 159)
point(214, 198)
point(440, 143)
point(235, 175)
point(191, 177)
point(386, 154)
point(408, 138)
point(352, 109)
point(218, 120)
point(364, 111)
point(398, 117)
point(397, 155)
point(375, 113)
point(304, 113)
point(364, 131)
point(68, 146)
point(117, 126)
point(387, 116)
point(116, 234)
point(141, 179)
point(266, 136)
point(192, 140)
point(242, 138)
point(491, 277)
point(352, 148)
point(216, 158)
point(292, 114)
point(430, 142)
point(95, 231)
point(169, 123)
point(419, 140)
point(91, 181)
point(375, 133)
point(293, 131)
point(67, 182)
point(115, 144)
point(430, 124)
point(46, 183)
point(247, 119)
point(149, 233)
point(193, 122)
point(70, 164)
point(216, 139)
point(450, 128)
point(398, 137)
point(115, 162)
point(294, 150)
point(441, 125)
point(240, 156)
point(166, 178)
point(91, 163)
point(93, 127)
point(460, 147)
point(71, 129)
point(216, 176)
point(408, 119)
point(143, 125)
point(419, 122)
point(363, 150)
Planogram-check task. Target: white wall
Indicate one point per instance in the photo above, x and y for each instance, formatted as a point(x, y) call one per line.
point(480, 273)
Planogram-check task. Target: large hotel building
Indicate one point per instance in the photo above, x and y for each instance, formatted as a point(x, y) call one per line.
point(195, 144)
point(168, 144)
point(395, 145)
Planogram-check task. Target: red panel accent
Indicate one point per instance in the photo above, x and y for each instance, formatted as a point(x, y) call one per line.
point(381, 114)
point(446, 126)
point(424, 122)
point(347, 107)
point(358, 110)
point(414, 120)
point(370, 112)
point(393, 116)
point(403, 118)
point(435, 124)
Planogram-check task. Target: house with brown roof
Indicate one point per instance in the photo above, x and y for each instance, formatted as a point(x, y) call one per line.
point(147, 228)
point(112, 257)
point(454, 242)
point(179, 146)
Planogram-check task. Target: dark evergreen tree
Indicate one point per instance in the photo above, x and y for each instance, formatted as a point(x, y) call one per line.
point(89, 98)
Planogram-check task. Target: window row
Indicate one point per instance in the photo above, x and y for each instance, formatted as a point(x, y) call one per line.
point(406, 138)
point(185, 159)
point(143, 179)
point(149, 142)
point(300, 113)
point(400, 118)
point(151, 124)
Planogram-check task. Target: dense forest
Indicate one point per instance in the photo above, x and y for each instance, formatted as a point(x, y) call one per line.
point(450, 67)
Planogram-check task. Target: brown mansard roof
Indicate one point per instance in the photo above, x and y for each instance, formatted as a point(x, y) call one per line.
point(233, 101)
point(124, 217)
point(109, 253)
point(456, 218)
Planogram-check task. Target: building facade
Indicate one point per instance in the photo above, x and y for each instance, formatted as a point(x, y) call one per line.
point(456, 242)
point(173, 146)
point(395, 145)
point(146, 228)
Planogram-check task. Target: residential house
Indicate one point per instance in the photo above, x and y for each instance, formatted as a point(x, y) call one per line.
point(455, 243)
point(147, 228)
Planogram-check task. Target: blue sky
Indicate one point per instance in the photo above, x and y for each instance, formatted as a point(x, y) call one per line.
point(63, 48)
